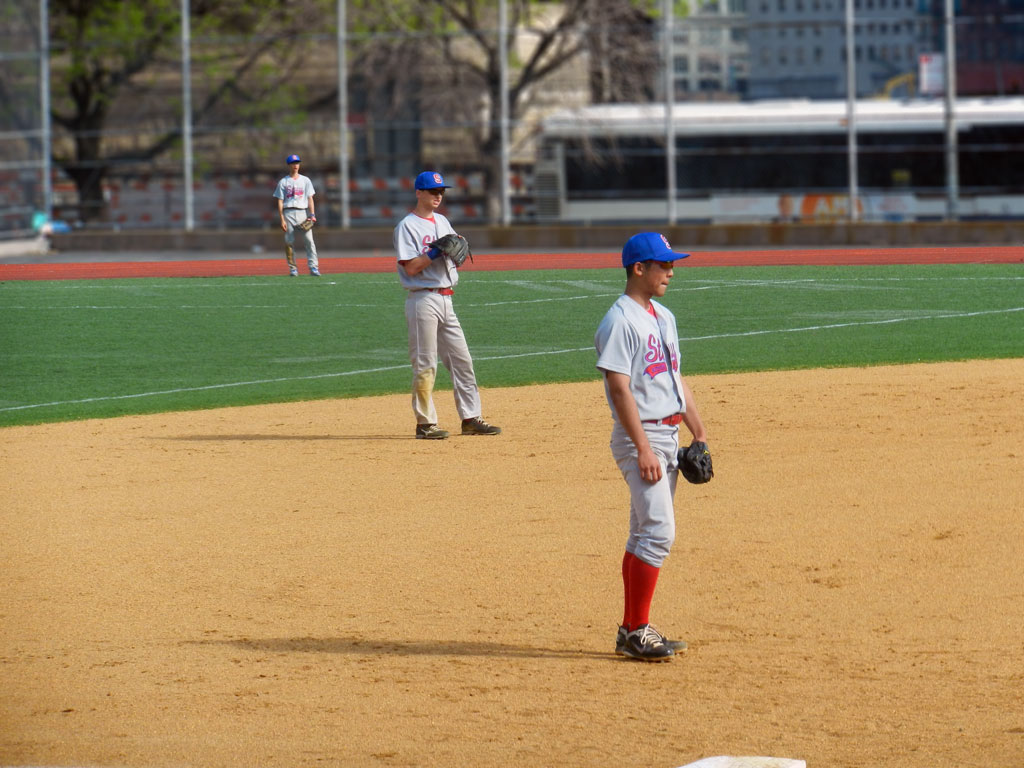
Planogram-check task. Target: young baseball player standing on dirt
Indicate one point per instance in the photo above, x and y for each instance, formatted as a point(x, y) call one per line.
point(430, 278)
point(638, 354)
point(295, 205)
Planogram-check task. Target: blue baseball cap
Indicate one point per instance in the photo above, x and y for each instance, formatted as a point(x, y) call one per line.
point(649, 246)
point(293, 159)
point(430, 180)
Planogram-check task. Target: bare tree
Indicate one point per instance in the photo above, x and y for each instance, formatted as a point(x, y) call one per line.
point(105, 52)
point(446, 56)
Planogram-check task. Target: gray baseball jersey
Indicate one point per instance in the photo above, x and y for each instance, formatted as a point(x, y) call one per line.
point(412, 238)
point(295, 193)
point(632, 342)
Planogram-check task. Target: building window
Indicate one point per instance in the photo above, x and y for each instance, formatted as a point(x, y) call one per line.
point(817, 54)
point(707, 65)
point(711, 36)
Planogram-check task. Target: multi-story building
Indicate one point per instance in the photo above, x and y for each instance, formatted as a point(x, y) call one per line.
point(711, 57)
point(798, 47)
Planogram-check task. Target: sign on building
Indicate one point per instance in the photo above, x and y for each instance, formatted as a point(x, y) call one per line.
point(932, 74)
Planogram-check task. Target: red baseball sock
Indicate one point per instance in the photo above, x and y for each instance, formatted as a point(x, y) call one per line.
point(627, 558)
point(642, 578)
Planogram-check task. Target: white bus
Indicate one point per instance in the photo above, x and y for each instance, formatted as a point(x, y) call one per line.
point(780, 161)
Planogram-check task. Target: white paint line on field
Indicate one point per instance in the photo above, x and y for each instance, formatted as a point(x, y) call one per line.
point(383, 369)
point(831, 326)
point(548, 286)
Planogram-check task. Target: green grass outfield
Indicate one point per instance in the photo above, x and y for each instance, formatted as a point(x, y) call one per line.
point(102, 348)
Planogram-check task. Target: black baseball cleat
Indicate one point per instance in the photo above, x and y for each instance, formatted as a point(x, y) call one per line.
point(478, 426)
point(430, 432)
point(620, 641)
point(646, 644)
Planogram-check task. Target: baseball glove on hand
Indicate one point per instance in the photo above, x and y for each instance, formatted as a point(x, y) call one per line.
point(306, 225)
point(695, 462)
point(453, 247)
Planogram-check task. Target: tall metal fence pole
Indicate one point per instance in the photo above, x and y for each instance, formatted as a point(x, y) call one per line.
point(670, 126)
point(506, 203)
point(44, 108)
point(952, 170)
point(186, 113)
point(343, 138)
point(851, 115)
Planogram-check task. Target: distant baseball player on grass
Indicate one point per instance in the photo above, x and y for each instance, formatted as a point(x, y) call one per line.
point(295, 205)
point(637, 346)
point(430, 253)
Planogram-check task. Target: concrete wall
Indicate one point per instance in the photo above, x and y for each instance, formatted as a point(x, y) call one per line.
point(561, 238)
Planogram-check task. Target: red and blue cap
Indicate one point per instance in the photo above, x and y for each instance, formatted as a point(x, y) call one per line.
point(292, 159)
point(430, 180)
point(649, 246)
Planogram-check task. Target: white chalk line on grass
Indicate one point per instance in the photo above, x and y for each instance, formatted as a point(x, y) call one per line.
point(384, 369)
point(549, 285)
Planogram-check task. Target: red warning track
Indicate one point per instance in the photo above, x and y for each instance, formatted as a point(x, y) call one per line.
point(518, 261)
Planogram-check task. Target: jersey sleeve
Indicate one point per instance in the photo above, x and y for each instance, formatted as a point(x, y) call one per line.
point(616, 344)
point(407, 245)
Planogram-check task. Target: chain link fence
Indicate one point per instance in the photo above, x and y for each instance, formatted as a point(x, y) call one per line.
point(574, 152)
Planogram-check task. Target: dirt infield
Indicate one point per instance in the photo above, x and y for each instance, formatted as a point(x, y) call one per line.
point(516, 261)
point(305, 584)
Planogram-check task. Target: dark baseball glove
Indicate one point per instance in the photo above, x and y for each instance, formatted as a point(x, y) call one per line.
point(695, 462)
point(306, 225)
point(453, 247)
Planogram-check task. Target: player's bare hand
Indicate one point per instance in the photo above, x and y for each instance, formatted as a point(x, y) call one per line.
point(650, 467)
point(284, 225)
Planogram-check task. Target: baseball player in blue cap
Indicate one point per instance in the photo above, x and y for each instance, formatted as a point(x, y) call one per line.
point(637, 346)
point(295, 205)
point(434, 329)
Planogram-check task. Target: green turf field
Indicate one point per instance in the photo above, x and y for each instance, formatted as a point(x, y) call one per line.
point(84, 349)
